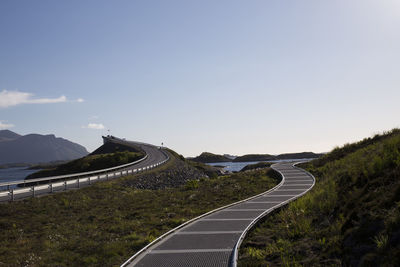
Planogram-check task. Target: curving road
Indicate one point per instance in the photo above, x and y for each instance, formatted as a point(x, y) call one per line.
point(155, 156)
point(213, 239)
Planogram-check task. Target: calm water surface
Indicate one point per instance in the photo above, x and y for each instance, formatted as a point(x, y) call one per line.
point(237, 166)
point(14, 174)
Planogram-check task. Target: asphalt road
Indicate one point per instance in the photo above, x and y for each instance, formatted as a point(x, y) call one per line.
point(154, 154)
point(213, 239)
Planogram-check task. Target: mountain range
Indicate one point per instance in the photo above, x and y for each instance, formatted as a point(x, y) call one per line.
point(36, 148)
point(207, 157)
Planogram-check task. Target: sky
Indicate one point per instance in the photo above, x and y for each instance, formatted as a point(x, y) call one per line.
point(232, 77)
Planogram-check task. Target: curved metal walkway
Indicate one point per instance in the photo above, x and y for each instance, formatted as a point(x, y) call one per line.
point(213, 239)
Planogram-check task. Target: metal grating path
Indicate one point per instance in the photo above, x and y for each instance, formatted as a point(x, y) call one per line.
point(212, 240)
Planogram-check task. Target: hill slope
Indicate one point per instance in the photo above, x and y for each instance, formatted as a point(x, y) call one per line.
point(35, 148)
point(350, 218)
point(267, 157)
point(207, 157)
point(106, 156)
point(254, 157)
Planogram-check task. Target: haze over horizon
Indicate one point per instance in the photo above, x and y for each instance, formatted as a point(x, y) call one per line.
point(225, 77)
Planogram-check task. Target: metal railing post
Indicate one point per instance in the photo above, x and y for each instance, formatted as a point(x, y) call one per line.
point(51, 188)
point(12, 195)
point(89, 180)
point(33, 191)
point(78, 183)
point(65, 185)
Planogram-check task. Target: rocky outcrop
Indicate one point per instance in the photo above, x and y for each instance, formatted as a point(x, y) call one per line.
point(207, 157)
point(178, 173)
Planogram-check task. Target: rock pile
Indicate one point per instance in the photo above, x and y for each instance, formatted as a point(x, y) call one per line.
point(175, 175)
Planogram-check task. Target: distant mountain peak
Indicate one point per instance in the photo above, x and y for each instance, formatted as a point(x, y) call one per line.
point(6, 135)
point(37, 148)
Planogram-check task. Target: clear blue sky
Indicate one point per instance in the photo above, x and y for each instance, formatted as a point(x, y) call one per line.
point(221, 76)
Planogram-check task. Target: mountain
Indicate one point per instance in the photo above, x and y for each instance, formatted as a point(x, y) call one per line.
point(7, 135)
point(267, 157)
point(301, 155)
point(207, 157)
point(36, 148)
point(254, 157)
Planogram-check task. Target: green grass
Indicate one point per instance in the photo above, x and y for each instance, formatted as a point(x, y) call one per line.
point(256, 166)
point(90, 163)
point(351, 217)
point(104, 224)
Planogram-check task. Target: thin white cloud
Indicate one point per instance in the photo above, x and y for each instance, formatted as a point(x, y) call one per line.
point(47, 100)
point(96, 126)
point(4, 125)
point(80, 100)
point(14, 98)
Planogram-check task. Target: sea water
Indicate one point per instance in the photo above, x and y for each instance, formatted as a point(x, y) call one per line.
point(237, 166)
point(14, 174)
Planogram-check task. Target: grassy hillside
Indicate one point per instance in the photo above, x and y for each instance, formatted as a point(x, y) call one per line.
point(207, 157)
point(106, 223)
point(350, 218)
point(254, 157)
point(90, 163)
point(268, 157)
point(255, 166)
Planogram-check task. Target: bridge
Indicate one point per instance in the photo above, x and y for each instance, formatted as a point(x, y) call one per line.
point(214, 238)
point(154, 157)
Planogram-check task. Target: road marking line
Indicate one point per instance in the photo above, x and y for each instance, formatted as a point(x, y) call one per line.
point(279, 195)
point(297, 181)
point(226, 219)
point(245, 209)
point(272, 202)
point(188, 251)
point(207, 232)
point(293, 185)
point(285, 190)
point(265, 202)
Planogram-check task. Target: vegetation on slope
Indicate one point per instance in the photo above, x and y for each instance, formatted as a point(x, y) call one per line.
point(106, 223)
point(90, 163)
point(106, 156)
point(255, 166)
point(254, 157)
point(207, 157)
point(350, 218)
point(267, 157)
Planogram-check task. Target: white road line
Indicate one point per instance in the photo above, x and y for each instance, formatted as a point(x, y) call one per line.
point(279, 195)
point(264, 202)
point(293, 185)
point(288, 182)
point(244, 209)
point(189, 251)
point(285, 190)
point(207, 232)
point(226, 219)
